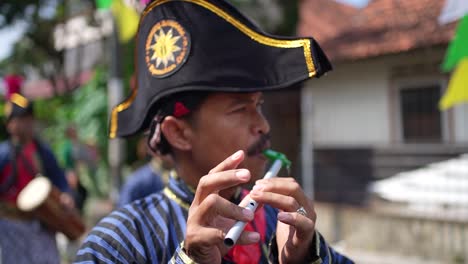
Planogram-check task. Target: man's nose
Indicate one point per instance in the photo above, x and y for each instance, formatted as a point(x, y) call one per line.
point(261, 125)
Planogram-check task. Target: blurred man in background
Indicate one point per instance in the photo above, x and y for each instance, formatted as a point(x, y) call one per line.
point(75, 153)
point(24, 239)
point(147, 179)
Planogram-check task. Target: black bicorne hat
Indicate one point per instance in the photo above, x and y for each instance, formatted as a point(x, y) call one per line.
point(17, 106)
point(208, 45)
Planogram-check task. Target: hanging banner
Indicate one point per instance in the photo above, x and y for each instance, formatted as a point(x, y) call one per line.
point(127, 18)
point(458, 47)
point(457, 91)
point(103, 4)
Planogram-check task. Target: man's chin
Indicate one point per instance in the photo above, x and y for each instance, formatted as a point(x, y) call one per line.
point(256, 166)
point(257, 172)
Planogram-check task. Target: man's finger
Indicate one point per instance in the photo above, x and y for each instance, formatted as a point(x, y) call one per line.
point(248, 237)
point(205, 236)
point(230, 163)
point(284, 202)
point(214, 236)
point(214, 206)
point(279, 201)
point(304, 226)
point(285, 186)
point(216, 182)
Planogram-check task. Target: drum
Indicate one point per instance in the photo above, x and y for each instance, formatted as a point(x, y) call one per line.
point(42, 198)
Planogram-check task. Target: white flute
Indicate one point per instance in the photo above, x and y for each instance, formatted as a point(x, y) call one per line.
point(236, 230)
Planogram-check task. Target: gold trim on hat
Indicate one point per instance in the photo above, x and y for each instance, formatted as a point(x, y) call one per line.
point(304, 43)
point(119, 108)
point(20, 100)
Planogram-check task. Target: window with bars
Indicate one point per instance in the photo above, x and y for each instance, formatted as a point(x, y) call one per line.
point(421, 118)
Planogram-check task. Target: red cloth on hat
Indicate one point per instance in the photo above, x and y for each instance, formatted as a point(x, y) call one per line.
point(13, 85)
point(180, 109)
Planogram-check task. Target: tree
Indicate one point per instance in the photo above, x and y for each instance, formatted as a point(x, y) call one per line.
point(275, 16)
point(34, 52)
point(35, 55)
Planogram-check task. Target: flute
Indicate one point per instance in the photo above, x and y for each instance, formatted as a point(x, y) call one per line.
point(278, 159)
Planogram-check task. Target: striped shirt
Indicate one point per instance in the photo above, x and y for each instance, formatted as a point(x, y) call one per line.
point(151, 230)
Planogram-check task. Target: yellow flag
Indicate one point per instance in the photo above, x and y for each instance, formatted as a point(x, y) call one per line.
point(127, 19)
point(457, 91)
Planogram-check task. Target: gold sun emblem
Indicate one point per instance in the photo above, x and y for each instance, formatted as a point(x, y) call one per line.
point(164, 47)
point(167, 47)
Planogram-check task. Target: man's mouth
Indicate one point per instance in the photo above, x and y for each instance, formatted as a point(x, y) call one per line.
point(258, 147)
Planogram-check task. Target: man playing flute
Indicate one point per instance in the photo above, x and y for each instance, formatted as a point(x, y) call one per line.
point(201, 69)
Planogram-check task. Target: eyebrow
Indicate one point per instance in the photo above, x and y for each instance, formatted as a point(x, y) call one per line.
point(244, 100)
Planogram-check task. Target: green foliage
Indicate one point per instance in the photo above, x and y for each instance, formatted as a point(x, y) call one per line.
point(86, 108)
point(3, 132)
point(12, 11)
point(35, 49)
point(274, 16)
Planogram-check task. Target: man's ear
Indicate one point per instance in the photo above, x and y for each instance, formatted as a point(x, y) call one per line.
point(177, 132)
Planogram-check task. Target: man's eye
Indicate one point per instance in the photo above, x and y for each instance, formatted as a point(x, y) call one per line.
point(240, 109)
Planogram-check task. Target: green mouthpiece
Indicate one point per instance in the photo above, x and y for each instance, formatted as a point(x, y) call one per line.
point(275, 155)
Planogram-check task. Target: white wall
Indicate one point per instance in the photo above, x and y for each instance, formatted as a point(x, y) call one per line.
point(461, 123)
point(357, 103)
point(350, 105)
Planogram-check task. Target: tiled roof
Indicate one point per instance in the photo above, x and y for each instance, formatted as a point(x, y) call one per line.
point(382, 27)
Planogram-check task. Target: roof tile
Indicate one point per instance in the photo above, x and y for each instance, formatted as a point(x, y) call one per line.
point(382, 27)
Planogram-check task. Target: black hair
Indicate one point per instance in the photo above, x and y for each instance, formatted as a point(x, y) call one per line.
point(192, 100)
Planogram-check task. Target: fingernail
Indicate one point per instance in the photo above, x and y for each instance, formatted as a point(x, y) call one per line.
point(258, 187)
point(248, 213)
point(255, 193)
point(243, 174)
point(260, 182)
point(253, 237)
point(284, 217)
point(236, 155)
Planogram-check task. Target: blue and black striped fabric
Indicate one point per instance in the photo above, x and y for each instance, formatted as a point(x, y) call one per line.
point(151, 230)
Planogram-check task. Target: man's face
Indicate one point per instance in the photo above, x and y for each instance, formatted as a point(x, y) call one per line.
point(21, 127)
point(227, 122)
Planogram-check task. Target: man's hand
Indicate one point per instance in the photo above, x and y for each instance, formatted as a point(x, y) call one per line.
point(66, 200)
point(294, 232)
point(211, 216)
